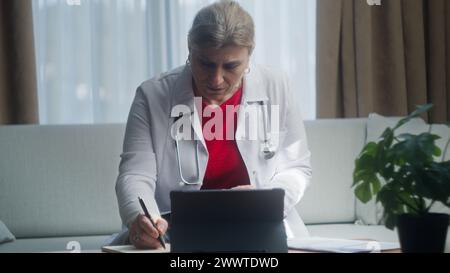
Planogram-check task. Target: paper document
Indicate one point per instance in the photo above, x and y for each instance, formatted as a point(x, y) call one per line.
point(132, 249)
point(321, 244)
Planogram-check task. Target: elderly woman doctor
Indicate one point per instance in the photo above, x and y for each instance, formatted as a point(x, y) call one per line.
point(216, 78)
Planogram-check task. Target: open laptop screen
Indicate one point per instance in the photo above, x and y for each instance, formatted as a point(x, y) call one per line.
point(228, 221)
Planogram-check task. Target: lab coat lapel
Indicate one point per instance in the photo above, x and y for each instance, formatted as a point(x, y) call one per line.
point(253, 93)
point(183, 94)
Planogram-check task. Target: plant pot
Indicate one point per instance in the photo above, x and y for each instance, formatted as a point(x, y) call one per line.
point(424, 233)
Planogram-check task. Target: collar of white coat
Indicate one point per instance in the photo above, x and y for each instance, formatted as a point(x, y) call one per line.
point(183, 93)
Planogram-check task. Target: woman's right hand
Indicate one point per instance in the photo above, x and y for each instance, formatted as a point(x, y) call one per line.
point(143, 235)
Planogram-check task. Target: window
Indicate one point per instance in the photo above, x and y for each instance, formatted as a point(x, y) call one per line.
point(93, 54)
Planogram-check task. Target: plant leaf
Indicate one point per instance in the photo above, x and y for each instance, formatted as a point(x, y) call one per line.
point(388, 137)
point(390, 220)
point(369, 149)
point(363, 193)
point(408, 201)
point(435, 184)
point(364, 168)
point(420, 109)
point(416, 149)
point(376, 186)
point(436, 151)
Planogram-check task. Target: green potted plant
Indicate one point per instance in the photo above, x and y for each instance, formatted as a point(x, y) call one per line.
point(407, 174)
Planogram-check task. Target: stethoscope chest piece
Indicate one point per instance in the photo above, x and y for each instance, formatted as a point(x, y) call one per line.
point(267, 150)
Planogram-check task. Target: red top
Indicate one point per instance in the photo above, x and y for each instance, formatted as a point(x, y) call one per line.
point(226, 168)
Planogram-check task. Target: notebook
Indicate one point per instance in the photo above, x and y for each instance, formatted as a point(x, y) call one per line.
point(321, 244)
point(132, 249)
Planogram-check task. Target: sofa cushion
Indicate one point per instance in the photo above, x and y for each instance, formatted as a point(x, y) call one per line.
point(334, 145)
point(59, 180)
point(5, 234)
point(57, 244)
point(372, 213)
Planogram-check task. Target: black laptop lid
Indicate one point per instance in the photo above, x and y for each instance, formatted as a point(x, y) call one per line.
point(228, 221)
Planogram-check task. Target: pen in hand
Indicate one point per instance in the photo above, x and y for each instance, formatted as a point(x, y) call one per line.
point(144, 208)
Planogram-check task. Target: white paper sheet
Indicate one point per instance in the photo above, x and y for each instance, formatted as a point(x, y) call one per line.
point(321, 244)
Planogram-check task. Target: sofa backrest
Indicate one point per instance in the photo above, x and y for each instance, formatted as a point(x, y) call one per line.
point(59, 180)
point(334, 146)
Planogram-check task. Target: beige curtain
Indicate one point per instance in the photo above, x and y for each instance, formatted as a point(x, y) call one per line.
point(385, 59)
point(18, 88)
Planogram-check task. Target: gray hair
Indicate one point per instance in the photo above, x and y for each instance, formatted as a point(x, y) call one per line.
point(222, 24)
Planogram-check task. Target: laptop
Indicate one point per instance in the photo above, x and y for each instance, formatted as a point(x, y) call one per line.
point(215, 221)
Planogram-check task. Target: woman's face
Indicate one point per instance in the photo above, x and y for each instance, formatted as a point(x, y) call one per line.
point(218, 72)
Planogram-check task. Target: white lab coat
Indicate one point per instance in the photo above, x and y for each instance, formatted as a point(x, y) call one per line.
point(149, 167)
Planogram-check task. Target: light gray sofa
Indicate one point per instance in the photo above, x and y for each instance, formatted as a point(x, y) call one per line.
point(57, 184)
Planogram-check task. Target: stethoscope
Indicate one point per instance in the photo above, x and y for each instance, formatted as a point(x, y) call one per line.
point(267, 150)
